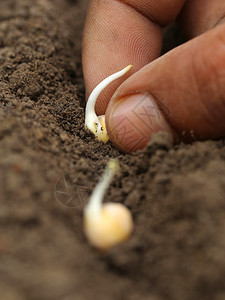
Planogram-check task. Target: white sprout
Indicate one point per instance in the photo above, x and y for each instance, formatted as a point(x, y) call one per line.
point(106, 224)
point(96, 124)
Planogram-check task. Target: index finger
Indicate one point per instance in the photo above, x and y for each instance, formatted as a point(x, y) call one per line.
point(119, 33)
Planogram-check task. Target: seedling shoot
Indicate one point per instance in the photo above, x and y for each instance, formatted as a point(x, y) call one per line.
point(96, 124)
point(107, 224)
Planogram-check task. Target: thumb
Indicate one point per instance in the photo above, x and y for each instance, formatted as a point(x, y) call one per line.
point(182, 92)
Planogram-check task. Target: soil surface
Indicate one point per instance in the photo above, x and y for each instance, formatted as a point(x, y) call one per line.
point(49, 165)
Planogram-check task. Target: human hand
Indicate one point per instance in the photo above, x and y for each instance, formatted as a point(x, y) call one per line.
point(182, 92)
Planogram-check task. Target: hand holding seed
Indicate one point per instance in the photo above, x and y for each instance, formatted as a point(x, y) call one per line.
point(181, 92)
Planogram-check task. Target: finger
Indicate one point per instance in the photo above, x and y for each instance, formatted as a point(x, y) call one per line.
point(184, 93)
point(202, 15)
point(119, 33)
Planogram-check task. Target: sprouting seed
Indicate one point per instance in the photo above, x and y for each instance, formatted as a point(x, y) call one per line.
point(107, 224)
point(96, 124)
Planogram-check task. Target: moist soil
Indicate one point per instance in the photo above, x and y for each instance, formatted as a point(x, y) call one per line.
point(49, 166)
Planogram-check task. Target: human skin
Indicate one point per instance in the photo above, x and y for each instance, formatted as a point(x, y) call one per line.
point(181, 92)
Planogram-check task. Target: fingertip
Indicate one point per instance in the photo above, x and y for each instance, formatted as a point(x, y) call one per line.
point(116, 35)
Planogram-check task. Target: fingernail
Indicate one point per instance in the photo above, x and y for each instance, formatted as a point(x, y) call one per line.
point(221, 21)
point(133, 120)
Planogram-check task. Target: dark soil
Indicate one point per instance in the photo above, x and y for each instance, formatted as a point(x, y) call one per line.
point(49, 164)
